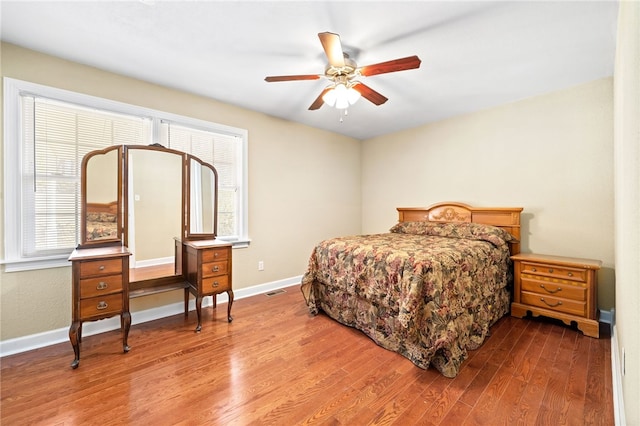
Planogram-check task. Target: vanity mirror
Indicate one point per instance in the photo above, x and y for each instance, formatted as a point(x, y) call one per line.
point(202, 199)
point(101, 186)
point(155, 194)
point(149, 224)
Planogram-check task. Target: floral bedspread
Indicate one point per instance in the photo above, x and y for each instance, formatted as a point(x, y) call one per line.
point(427, 291)
point(101, 226)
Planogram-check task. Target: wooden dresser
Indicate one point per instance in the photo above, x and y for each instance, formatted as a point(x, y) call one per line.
point(563, 288)
point(208, 264)
point(100, 290)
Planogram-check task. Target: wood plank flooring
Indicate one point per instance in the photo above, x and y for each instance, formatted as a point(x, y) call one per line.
point(277, 365)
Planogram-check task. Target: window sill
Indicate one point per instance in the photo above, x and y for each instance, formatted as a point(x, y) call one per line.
point(35, 264)
point(238, 243)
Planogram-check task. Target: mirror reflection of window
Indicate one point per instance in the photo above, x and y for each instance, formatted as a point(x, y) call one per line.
point(102, 197)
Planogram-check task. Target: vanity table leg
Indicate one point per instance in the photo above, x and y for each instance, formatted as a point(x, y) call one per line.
point(199, 312)
point(74, 337)
point(229, 317)
point(125, 324)
point(186, 302)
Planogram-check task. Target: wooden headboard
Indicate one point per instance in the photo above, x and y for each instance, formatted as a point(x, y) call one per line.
point(111, 207)
point(507, 218)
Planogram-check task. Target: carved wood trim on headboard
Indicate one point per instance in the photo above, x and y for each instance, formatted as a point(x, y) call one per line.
point(111, 207)
point(507, 218)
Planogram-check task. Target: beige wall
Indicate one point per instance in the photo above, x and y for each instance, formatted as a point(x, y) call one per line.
point(552, 155)
point(304, 185)
point(627, 205)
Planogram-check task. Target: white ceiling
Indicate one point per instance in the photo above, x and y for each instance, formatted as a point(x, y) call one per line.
point(475, 54)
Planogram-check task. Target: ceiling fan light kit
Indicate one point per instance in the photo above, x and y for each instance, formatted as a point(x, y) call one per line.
point(341, 95)
point(342, 71)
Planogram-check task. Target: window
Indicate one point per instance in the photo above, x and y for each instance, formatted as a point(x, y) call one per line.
point(47, 133)
point(223, 151)
point(56, 136)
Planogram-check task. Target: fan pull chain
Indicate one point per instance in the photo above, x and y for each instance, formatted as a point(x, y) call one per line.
point(346, 112)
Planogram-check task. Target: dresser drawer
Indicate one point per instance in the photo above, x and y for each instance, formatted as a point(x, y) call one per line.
point(107, 305)
point(214, 255)
point(91, 287)
point(554, 271)
point(100, 267)
point(548, 286)
point(558, 304)
point(214, 268)
point(215, 285)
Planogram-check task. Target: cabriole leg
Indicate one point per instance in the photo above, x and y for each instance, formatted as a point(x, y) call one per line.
point(229, 317)
point(74, 337)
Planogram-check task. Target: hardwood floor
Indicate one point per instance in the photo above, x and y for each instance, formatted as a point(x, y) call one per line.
point(275, 364)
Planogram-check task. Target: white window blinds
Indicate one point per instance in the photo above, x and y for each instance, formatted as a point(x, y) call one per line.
point(56, 136)
point(224, 153)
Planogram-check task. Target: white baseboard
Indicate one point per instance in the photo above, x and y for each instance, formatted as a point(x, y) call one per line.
point(47, 338)
point(616, 372)
point(155, 262)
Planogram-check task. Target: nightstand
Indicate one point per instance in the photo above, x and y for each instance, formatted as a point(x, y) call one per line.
point(564, 288)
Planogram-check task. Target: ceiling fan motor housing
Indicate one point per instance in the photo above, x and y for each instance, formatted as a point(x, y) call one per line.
point(348, 69)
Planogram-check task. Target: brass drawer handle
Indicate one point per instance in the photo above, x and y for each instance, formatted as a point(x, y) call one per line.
point(534, 270)
point(101, 268)
point(550, 291)
point(569, 274)
point(215, 284)
point(102, 285)
point(215, 254)
point(551, 270)
point(549, 304)
point(102, 305)
point(215, 269)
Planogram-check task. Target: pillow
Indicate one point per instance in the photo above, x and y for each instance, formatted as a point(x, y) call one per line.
point(101, 217)
point(473, 231)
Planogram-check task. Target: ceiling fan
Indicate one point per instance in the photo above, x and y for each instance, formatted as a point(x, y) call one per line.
point(343, 72)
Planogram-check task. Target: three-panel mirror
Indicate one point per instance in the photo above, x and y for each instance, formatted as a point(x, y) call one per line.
point(144, 197)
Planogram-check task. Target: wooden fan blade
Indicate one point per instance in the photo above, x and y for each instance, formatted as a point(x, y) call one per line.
point(402, 64)
point(332, 48)
point(369, 94)
point(274, 78)
point(319, 102)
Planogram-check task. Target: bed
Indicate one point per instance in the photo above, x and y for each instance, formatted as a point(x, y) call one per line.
point(102, 220)
point(429, 289)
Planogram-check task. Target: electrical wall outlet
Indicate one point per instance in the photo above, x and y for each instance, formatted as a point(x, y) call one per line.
point(260, 265)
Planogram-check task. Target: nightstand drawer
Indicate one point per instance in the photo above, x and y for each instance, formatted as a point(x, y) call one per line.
point(101, 306)
point(215, 285)
point(214, 255)
point(554, 271)
point(547, 287)
point(91, 287)
point(554, 303)
point(100, 267)
point(214, 268)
